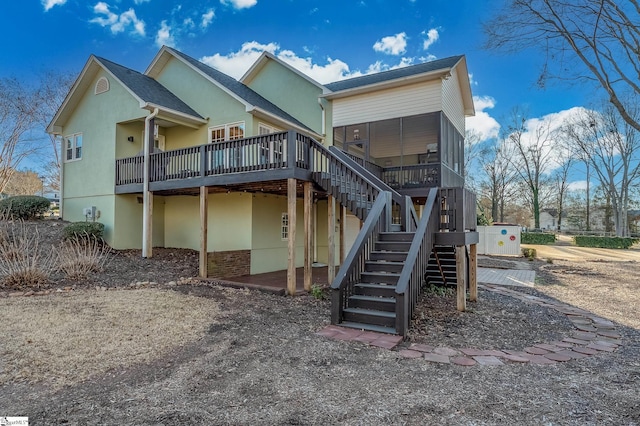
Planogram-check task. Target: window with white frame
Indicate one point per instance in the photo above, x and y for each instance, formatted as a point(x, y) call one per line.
point(284, 227)
point(227, 156)
point(73, 147)
point(270, 151)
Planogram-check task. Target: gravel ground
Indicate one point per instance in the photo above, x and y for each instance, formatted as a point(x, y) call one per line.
point(259, 361)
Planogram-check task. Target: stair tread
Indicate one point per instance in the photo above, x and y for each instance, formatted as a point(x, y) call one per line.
point(373, 298)
point(372, 312)
point(367, 285)
point(368, 327)
point(379, 273)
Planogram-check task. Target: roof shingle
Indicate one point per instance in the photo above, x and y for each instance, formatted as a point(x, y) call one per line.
point(148, 89)
point(395, 74)
point(241, 90)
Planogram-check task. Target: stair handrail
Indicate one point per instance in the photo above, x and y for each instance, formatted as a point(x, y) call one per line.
point(410, 280)
point(408, 217)
point(375, 180)
point(351, 269)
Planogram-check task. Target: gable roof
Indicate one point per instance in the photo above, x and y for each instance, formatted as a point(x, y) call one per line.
point(264, 58)
point(383, 76)
point(406, 75)
point(254, 103)
point(149, 93)
point(148, 90)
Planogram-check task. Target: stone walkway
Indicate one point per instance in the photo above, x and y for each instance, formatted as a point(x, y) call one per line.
point(513, 277)
point(592, 335)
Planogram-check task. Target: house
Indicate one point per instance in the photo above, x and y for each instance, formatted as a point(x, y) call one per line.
point(275, 171)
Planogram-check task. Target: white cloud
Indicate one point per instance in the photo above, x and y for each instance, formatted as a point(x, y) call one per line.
point(117, 23)
point(482, 123)
point(164, 36)
point(141, 1)
point(578, 185)
point(207, 18)
point(188, 23)
point(392, 45)
point(432, 37)
point(48, 4)
point(237, 63)
point(240, 4)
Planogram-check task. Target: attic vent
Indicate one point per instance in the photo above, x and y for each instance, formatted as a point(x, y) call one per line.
point(102, 85)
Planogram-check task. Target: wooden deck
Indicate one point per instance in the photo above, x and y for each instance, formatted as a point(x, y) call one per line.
point(275, 282)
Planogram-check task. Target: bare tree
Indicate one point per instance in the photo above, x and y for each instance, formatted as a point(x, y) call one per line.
point(53, 86)
point(612, 147)
point(18, 114)
point(472, 150)
point(561, 184)
point(26, 182)
point(594, 40)
point(498, 184)
point(531, 157)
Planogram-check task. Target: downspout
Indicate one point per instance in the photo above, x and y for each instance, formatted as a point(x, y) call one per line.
point(146, 195)
point(323, 129)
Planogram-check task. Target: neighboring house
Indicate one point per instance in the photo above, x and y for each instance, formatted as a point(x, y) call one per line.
point(249, 171)
point(549, 220)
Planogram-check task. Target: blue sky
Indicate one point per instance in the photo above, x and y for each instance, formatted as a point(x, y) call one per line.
point(328, 39)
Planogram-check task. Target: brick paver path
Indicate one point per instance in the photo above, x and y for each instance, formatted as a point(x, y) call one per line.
point(593, 335)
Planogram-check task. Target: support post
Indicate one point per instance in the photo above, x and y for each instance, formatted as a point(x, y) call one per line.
point(461, 290)
point(343, 225)
point(331, 239)
point(291, 210)
point(308, 236)
point(204, 218)
point(147, 196)
point(473, 272)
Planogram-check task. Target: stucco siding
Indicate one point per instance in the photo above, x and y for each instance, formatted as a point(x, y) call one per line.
point(390, 103)
point(277, 84)
point(452, 104)
point(229, 222)
point(270, 252)
point(203, 96)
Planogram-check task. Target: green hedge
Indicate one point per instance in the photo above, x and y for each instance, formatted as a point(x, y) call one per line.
point(24, 206)
point(80, 230)
point(537, 238)
point(604, 242)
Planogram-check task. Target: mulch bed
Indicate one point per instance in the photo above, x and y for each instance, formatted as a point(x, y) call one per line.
point(261, 361)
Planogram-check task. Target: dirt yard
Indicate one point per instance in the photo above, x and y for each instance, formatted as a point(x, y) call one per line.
point(176, 352)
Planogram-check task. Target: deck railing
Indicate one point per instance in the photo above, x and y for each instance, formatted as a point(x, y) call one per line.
point(457, 210)
point(262, 152)
point(412, 176)
point(351, 269)
point(411, 278)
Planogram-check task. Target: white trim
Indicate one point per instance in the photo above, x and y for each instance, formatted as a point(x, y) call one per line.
point(74, 147)
point(284, 226)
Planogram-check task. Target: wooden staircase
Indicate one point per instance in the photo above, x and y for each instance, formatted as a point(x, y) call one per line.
point(441, 270)
point(378, 283)
point(373, 306)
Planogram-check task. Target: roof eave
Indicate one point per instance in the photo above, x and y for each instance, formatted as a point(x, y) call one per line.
point(389, 84)
point(266, 57)
point(54, 127)
point(177, 116)
point(283, 122)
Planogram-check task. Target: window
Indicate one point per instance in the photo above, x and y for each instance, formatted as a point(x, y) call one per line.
point(73, 147)
point(227, 132)
point(284, 227)
point(226, 156)
point(270, 151)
